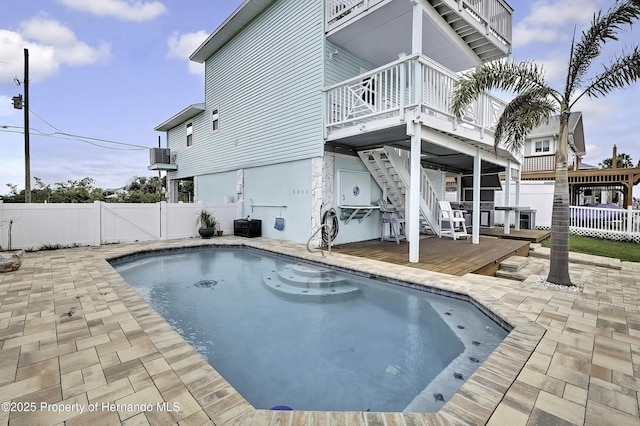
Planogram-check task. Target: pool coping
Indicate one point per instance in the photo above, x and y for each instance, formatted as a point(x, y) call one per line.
point(473, 403)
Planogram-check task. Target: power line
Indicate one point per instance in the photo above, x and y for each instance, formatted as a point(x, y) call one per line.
point(87, 138)
point(78, 138)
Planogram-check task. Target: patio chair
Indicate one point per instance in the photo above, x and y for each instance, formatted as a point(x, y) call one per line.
point(395, 222)
point(456, 226)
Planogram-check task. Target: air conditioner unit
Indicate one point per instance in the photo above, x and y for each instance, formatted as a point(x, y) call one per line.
point(160, 156)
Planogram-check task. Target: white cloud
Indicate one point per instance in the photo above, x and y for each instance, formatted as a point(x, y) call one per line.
point(551, 21)
point(125, 10)
point(50, 45)
point(6, 106)
point(181, 46)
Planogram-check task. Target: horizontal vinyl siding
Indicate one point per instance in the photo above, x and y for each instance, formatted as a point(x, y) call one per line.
point(267, 84)
point(177, 143)
point(345, 65)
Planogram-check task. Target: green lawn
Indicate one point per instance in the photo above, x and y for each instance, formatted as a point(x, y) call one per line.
point(628, 251)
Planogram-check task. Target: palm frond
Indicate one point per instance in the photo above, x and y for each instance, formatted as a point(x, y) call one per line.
point(525, 112)
point(500, 75)
point(622, 72)
point(604, 28)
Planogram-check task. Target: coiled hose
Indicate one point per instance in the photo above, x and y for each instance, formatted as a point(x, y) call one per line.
point(329, 217)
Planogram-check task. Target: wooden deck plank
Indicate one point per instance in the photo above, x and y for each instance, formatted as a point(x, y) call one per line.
point(443, 255)
point(531, 235)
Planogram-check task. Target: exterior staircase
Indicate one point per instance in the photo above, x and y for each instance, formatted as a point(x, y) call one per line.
point(452, 13)
point(390, 169)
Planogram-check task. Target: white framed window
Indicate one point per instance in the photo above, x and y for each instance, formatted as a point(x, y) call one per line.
point(189, 134)
point(543, 146)
point(215, 120)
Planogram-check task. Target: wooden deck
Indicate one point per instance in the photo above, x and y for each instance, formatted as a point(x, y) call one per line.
point(531, 235)
point(444, 255)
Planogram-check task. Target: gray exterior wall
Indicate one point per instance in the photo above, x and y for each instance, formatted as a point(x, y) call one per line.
point(269, 188)
point(216, 187)
point(177, 143)
point(266, 83)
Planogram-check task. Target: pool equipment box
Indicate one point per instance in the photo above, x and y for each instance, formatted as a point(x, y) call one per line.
point(247, 228)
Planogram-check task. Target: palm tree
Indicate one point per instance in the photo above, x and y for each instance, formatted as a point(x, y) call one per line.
point(535, 101)
point(623, 161)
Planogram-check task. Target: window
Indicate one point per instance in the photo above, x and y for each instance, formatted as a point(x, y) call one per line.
point(542, 146)
point(189, 134)
point(215, 120)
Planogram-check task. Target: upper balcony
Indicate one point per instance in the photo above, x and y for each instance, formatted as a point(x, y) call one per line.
point(456, 33)
point(371, 107)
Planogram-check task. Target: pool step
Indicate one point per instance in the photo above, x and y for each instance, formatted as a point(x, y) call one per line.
point(310, 280)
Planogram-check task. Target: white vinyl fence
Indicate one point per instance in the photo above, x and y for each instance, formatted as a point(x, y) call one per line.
point(612, 224)
point(39, 225)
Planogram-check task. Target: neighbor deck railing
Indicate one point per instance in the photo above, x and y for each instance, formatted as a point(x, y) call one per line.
point(539, 163)
point(387, 92)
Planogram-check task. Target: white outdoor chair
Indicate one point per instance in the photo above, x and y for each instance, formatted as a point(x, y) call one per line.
point(395, 223)
point(456, 226)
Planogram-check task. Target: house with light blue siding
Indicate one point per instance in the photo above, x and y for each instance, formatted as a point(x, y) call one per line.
point(330, 105)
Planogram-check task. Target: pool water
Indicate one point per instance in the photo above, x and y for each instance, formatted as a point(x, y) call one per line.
point(353, 344)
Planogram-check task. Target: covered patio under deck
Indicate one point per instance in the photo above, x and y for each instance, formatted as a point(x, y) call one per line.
point(437, 150)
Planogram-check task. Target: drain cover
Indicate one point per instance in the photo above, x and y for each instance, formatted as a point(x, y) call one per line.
point(205, 284)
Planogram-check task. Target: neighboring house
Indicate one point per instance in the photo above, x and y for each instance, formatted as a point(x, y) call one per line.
point(587, 184)
point(312, 105)
point(542, 143)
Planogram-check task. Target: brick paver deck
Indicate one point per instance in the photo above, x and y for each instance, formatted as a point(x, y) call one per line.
point(79, 346)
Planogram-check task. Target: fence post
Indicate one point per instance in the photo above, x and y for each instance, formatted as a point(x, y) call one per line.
point(629, 220)
point(97, 223)
point(163, 220)
point(1, 216)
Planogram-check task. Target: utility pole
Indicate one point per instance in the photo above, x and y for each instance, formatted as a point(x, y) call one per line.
point(27, 157)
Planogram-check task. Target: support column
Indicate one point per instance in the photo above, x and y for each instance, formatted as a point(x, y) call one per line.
point(416, 29)
point(477, 166)
point(414, 192)
point(507, 197)
point(518, 204)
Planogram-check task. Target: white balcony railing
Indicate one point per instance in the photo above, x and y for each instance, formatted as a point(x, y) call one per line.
point(495, 15)
point(387, 91)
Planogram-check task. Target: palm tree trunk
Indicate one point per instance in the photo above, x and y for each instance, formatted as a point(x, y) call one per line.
point(559, 260)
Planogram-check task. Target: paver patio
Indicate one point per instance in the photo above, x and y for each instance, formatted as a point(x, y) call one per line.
point(79, 346)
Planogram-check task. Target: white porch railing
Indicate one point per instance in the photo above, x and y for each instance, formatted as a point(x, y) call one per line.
point(339, 11)
point(374, 94)
point(494, 15)
point(613, 224)
point(387, 92)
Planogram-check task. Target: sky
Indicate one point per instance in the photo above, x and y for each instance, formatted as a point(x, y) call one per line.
point(104, 73)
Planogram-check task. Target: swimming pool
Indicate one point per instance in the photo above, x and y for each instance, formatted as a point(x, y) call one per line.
point(368, 348)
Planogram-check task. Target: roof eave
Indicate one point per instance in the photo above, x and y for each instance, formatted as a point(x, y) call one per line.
point(184, 115)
